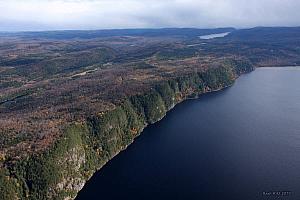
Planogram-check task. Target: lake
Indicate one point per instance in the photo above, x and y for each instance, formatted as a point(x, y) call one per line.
point(212, 36)
point(241, 143)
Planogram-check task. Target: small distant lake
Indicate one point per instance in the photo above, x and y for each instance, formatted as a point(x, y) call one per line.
point(242, 143)
point(212, 36)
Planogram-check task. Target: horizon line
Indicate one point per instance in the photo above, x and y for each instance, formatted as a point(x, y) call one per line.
point(142, 28)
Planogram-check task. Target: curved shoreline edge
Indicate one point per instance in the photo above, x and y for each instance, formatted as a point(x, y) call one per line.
point(85, 147)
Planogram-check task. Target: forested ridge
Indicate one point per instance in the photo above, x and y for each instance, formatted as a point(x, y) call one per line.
point(61, 170)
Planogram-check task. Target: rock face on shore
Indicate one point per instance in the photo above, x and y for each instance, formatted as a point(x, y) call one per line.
point(60, 171)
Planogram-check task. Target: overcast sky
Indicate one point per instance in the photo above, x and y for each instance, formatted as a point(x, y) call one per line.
point(16, 15)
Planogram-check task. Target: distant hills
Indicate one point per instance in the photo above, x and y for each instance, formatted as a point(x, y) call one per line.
point(89, 34)
point(267, 34)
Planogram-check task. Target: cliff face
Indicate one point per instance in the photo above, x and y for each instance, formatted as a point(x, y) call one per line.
point(61, 172)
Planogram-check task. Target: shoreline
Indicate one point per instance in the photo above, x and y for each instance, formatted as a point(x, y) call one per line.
point(142, 130)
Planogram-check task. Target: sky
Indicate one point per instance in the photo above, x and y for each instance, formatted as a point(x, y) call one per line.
point(36, 15)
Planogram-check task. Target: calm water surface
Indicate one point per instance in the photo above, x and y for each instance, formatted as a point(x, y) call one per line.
point(212, 36)
point(233, 144)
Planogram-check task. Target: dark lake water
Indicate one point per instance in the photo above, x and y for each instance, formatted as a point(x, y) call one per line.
point(239, 143)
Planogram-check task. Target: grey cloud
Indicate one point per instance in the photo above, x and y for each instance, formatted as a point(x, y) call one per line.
point(97, 14)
